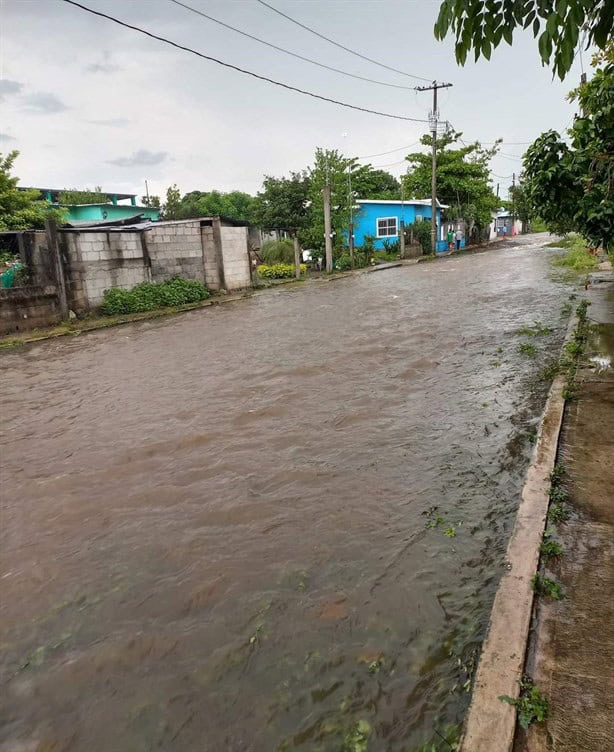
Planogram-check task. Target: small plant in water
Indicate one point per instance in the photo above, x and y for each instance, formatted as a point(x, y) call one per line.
point(450, 532)
point(527, 348)
point(435, 522)
point(558, 473)
point(357, 738)
point(546, 586)
point(549, 548)
point(375, 666)
point(531, 706)
point(558, 513)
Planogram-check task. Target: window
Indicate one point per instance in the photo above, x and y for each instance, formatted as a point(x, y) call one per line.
point(386, 227)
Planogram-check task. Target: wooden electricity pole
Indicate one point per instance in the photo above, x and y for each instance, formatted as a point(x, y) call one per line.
point(328, 230)
point(434, 118)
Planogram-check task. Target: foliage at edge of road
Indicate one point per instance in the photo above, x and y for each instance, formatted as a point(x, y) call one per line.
point(481, 25)
point(21, 210)
point(148, 296)
point(572, 186)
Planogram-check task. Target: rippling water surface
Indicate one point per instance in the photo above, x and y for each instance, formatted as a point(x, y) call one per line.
point(227, 530)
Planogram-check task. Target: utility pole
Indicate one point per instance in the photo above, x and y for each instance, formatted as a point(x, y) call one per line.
point(513, 230)
point(434, 117)
point(351, 202)
point(328, 232)
point(147, 192)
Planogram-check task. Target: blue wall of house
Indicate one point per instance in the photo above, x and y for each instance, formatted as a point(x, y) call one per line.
point(365, 220)
point(101, 212)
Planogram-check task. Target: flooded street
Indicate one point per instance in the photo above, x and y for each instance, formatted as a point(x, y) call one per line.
point(251, 527)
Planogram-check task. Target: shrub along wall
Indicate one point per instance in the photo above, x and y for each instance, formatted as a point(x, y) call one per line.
point(150, 295)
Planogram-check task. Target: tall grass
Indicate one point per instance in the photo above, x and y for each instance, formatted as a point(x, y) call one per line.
point(577, 256)
point(277, 252)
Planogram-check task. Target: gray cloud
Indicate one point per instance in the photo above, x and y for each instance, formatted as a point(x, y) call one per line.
point(141, 158)
point(44, 103)
point(6, 137)
point(9, 87)
point(111, 122)
point(104, 65)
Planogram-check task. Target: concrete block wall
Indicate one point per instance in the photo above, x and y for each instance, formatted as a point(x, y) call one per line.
point(99, 261)
point(212, 277)
point(24, 308)
point(175, 249)
point(235, 253)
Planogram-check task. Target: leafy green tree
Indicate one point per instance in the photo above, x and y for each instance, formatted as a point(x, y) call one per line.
point(572, 186)
point(374, 184)
point(234, 205)
point(330, 167)
point(481, 25)
point(283, 203)
point(153, 202)
point(463, 179)
point(170, 210)
point(68, 197)
point(21, 210)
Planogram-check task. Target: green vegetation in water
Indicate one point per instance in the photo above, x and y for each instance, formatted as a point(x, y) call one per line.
point(499, 349)
point(550, 549)
point(357, 738)
point(436, 520)
point(537, 330)
point(375, 666)
point(528, 349)
point(558, 513)
point(543, 585)
point(558, 494)
point(577, 256)
point(531, 706)
point(559, 471)
point(566, 309)
point(549, 371)
point(38, 656)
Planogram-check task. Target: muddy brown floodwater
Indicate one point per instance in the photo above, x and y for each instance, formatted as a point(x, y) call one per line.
point(252, 527)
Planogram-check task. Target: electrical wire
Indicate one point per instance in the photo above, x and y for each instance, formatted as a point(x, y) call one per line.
point(288, 52)
point(241, 70)
point(341, 46)
point(392, 151)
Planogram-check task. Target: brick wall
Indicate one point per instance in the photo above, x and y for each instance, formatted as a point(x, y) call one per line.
point(24, 308)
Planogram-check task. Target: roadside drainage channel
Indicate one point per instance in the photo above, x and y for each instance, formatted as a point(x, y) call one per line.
point(491, 724)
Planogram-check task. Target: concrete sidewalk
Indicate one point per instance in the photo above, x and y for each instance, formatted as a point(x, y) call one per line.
point(572, 651)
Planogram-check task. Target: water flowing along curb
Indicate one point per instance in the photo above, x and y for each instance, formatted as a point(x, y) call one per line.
point(491, 723)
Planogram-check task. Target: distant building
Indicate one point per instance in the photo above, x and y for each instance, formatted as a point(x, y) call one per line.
point(504, 224)
point(109, 210)
point(382, 220)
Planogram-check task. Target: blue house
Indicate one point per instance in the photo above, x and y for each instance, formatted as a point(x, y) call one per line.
point(382, 220)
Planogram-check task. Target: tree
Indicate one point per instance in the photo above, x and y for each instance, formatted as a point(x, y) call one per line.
point(330, 167)
point(68, 197)
point(463, 179)
point(481, 25)
point(21, 210)
point(234, 205)
point(572, 186)
point(283, 203)
point(374, 184)
point(170, 210)
point(153, 202)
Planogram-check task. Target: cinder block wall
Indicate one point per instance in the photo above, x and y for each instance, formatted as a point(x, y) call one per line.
point(99, 261)
point(24, 308)
point(176, 249)
point(212, 277)
point(236, 258)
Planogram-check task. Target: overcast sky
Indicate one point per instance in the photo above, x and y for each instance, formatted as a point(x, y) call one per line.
point(90, 103)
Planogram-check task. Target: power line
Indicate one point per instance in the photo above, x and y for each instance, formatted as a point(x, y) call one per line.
point(347, 49)
point(241, 70)
point(392, 151)
point(287, 52)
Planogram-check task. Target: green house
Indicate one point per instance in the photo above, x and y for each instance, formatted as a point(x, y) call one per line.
point(110, 210)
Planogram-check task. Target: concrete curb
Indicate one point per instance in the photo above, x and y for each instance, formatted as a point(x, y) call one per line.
point(490, 725)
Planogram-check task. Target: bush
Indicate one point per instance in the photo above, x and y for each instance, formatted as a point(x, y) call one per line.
point(279, 271)
point(150, 295)
point(577, 257)
point(422, 234)
point(277, 252)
